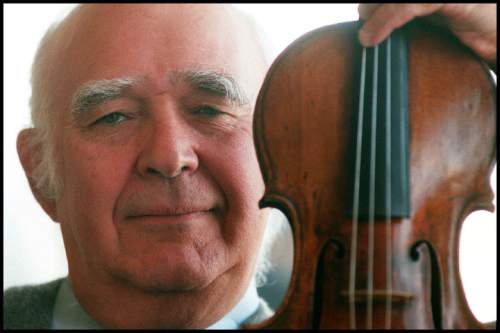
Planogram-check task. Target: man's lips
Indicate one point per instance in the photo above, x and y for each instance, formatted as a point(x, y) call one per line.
point(168, 211)
point(165, 215)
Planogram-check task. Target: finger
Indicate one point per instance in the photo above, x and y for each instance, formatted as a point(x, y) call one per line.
point(388, 17)
point(365, 10)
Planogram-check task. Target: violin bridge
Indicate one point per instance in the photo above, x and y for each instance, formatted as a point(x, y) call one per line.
point(360, 296)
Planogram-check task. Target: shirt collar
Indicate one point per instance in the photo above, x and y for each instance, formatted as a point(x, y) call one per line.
point(69, 314)
point(244, 309)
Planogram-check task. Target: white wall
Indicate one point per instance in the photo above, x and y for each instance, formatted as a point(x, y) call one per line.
point(33, 249)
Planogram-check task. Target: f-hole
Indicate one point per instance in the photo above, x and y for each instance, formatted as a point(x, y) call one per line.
point(332, 250)
point(435, 281)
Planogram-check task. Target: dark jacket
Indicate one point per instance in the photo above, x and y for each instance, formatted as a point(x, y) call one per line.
point(31, 307)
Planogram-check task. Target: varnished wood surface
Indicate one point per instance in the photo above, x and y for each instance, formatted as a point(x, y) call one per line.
point(302, 129)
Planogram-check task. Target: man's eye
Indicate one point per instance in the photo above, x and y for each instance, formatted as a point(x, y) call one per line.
point(206, 110)
point(112, 118)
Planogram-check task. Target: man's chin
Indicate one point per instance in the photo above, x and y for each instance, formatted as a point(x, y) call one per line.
point(177, 284)
point(167, 278)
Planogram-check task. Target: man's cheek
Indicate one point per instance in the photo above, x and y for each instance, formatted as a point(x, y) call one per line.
point(92, 186)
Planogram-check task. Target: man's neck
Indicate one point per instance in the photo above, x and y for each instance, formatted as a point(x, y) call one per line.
point(71, 313)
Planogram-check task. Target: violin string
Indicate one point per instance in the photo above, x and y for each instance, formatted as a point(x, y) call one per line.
point(371, 206)
point(388, 304)
point(359, 136)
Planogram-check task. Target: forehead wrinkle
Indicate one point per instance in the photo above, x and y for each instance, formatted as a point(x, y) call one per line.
point(93, 93)
point(212, 82)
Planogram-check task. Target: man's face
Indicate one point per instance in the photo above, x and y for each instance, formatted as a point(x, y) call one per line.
point(161, 181)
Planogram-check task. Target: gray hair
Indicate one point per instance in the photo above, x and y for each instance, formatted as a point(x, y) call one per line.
point(45, 174)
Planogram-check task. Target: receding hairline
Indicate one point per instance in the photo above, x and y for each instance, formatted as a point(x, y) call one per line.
point(238, 17)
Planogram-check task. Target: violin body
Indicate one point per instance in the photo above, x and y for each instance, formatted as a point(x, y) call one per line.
point(303, 129)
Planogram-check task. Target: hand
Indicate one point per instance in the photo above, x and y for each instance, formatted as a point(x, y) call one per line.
point(473, 24)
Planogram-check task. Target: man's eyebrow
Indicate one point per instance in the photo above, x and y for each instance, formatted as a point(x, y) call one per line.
point(214, 83)
point(94, 93)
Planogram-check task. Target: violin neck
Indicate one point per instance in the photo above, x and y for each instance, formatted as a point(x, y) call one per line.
point(381, 131)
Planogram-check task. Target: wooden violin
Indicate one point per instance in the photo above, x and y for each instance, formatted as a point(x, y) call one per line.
point(376, 156)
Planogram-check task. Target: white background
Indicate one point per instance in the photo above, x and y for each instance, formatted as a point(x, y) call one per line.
point(33, 249)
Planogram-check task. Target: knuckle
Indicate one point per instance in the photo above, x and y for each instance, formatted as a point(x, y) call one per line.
point(365, 10)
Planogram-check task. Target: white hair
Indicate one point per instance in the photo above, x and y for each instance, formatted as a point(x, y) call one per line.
point(45, 174)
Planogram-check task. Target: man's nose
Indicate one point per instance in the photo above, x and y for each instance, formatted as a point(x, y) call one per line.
point(169, 149)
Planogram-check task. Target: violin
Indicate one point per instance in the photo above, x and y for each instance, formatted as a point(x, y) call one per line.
point(376, 156)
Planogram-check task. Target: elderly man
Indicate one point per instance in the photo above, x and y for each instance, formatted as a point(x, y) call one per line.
point(142, 150)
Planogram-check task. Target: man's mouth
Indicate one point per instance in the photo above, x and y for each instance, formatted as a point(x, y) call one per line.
point(167, 215)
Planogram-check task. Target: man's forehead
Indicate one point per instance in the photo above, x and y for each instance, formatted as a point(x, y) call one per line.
point(211, 27)
point(192, 15)
point(112, 41)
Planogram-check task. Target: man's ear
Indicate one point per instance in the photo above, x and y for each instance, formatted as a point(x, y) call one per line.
point(29, 160)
